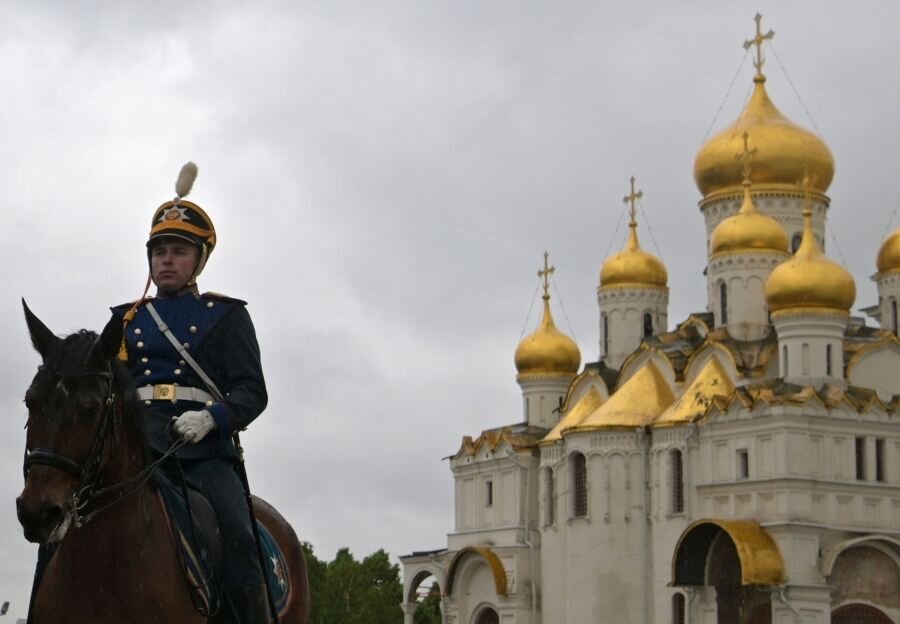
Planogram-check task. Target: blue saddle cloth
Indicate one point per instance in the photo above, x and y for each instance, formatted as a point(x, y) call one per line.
point(197, 562)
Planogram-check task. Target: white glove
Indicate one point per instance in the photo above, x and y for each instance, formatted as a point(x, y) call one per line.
point(193, 426)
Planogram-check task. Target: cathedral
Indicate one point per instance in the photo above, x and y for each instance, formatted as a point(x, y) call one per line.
point(741, 468)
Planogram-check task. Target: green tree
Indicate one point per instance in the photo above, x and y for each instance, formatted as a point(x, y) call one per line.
point(358, 592)
point(315, 573)
point(429, 609)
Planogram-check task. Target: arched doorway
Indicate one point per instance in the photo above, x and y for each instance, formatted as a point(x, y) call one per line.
point(487, 616)
point(859, 614)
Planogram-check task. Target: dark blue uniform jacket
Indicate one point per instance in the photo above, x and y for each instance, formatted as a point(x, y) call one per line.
point(219, 335)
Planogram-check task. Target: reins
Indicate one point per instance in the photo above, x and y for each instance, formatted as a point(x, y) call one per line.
point(88, 471)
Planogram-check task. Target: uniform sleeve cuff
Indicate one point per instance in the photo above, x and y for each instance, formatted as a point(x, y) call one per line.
point(221, 415)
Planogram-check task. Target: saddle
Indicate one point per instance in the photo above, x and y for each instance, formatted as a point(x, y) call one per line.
point(194, 530)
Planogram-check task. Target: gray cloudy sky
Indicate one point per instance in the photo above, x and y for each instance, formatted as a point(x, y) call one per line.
point(384, 178)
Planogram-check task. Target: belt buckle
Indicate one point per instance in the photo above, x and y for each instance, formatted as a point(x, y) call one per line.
point(163, 392)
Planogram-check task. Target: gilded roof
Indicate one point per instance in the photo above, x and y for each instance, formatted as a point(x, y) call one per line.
point(809, 280)
point(636, 404)
point(633, 266)
point(585, 406)
point(889, 253)
point(518, 436)
point(785, 150)
point(694, 403)
point(748, 230)
point(547, 350)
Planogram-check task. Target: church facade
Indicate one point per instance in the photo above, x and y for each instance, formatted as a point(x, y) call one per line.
point(743, 468)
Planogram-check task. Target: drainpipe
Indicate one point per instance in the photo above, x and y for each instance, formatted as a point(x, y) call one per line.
point(527, 540)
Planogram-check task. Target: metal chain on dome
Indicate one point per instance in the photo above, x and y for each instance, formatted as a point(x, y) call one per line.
point(650, 229)
point(530, 309)
point(887, 227)
point(725, 99)
point(613, 237)
point(797, 93)
point(563, 307)
point(836, 243)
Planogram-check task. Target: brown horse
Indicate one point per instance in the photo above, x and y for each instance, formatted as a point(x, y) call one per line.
point(86, 492)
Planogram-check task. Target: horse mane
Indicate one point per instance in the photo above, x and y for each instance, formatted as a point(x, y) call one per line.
point(70, 358)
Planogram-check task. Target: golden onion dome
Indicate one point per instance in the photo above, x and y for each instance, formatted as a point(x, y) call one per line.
point(633, 266)
point(809, 279)
point(748, 230)
point(547, 350)
point(889, 254)
point(785, 150)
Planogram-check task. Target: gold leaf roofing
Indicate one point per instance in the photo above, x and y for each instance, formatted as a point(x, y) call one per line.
point(636, 404)
point(693, 404)
point(585, 406)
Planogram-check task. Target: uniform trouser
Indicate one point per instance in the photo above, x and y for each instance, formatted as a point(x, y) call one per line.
point(218, 480)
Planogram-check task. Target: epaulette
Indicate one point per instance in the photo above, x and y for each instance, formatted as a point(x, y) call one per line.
point(124, 307)
point(220, 297)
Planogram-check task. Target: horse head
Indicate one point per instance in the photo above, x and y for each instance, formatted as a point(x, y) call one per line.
point(70, 406)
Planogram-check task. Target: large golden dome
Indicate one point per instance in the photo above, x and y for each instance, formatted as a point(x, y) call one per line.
point(889, 254)
point(547, 350)
point(809, 279)
point(784, 150)
point(633, 266)
point(749, 229)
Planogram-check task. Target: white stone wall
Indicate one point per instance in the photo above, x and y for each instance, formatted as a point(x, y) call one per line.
point(744, 276)
point(889, 299)
point(542, 396)
point(786, 207)
point(811, 346)
point(624, 308)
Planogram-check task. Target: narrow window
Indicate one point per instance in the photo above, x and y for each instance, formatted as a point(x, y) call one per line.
point(723, 303)
point(743, 464)
point(828, 360)
point(894, 315)
point(795, 243)
point(860, 459)
point(678, 615)
point(488, 493)
point(804, 358)
point(579, 486)
point(677, 482)
point(648, 324)
point(879, 459)
point(549, 497)
point(784, 361)
point(605, 334)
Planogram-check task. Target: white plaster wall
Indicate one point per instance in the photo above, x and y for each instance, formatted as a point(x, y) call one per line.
point(624, 308)
point(888, 294)
point(542, 396)
point(744, 275)
point(877, 370)
point(807, 337)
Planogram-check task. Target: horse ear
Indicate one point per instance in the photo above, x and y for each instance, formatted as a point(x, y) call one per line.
point(41, 337)
point(110, 340)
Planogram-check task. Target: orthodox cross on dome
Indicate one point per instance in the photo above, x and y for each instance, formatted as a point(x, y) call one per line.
point(630, 199)
point(545, 274)
point(758, 41)
point(746, 156)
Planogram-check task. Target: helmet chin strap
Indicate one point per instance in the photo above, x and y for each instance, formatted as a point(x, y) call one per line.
point(204, 255)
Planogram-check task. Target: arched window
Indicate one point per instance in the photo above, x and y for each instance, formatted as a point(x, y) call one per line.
point(723, 303)
point(804, 358)
point(549, 497)
point(795, 243)
point(678, 615)
point(604, 320)
point(578, 474)
point(648, 324)
point(828, 360)
point(677, 472)
point(894, 315)
point(784, 361)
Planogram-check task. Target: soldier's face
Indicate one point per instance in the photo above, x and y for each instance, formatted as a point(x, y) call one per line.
point(172, 263)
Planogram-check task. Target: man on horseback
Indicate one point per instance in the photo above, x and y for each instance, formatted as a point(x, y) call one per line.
point(196, 365)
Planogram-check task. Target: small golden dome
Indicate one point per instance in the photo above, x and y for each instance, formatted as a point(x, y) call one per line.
point(785, 150)
point(749, 229)
point(547, 350)
point(889, 254)
point(809, 279)
point(633, 266)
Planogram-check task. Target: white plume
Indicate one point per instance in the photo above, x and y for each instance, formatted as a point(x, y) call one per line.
point(186, 179)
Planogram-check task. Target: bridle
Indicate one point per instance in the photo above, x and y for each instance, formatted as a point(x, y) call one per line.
point(87, 472)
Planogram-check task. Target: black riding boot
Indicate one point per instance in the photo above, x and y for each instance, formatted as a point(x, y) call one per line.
point(251, 605)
